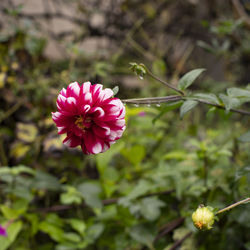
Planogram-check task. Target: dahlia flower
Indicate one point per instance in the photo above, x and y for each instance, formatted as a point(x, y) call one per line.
point(90, 116)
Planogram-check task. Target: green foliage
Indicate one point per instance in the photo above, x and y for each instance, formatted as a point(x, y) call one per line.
point(189, 78)
point(142, 192)
point(187, 106)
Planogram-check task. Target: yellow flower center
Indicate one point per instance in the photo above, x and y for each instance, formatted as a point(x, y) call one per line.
point(199, 224)
point(83, 124)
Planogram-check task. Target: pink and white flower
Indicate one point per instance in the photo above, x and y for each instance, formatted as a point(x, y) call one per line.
point(90, 116)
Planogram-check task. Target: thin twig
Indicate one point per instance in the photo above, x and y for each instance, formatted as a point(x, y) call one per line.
point(163, 82)
point(153, 100)
point(165, 229)
point(233, 205)
point(12, 110)
point(240, 111)
point(179, 242)
point(165, 99)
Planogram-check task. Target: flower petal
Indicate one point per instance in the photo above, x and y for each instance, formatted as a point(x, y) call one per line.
point(92, 143)
point(73, 90)
point(72, 141)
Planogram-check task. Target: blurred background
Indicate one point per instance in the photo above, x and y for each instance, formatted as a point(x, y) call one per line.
point(141, 193)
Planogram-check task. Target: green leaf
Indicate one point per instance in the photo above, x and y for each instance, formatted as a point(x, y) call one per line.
point(167, 107)
point(140, 189)
point(150, 208)
point(245, 171)
point(245, 137)
point(115, 90)
point(78, 225)
point(230, 102)
point(56, 233)
point(142, 234)
point(12, 232)
point(207, 97)
point(176, 155)
point(94, 231)
point(18, 209)
point(71, 196)
point(103, 160)
point(90, 192)
point(34, 220)
point(242, 94)
point(72, 237)
point(134, 154)
point(46, 181)
point(189, 78)
point(187, 106)
point(53, 227)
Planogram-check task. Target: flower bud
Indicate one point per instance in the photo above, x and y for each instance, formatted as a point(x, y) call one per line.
point(203, 217)
point(138, 69)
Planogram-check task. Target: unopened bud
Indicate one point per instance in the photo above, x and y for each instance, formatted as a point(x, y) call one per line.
point(138, 69)
point(203, 217)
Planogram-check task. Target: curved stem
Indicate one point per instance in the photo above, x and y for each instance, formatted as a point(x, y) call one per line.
point(163, 82)
point(233, 205)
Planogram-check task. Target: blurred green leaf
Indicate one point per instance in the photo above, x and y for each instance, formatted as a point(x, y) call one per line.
point(12, 232)
point(150, 208)
point(18, 209)
point(45, 181)
point(94, 232)
point(245, 137)
point(78, 225)
point(91, 193)
point(134, 154)
point(189, 78)
point(245, 171)
point(166, 108)
point(207, 97)
point(71, 196)
point(187, 106)
point(72, 237)
point(142, 234)
point(230, 102)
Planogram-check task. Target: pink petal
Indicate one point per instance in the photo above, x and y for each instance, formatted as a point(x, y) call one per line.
point(73, 90)
point(92, 144)
point(102, 132)
point(72, 141)
point(63, 92)
point(62, 120)
point(97, 112)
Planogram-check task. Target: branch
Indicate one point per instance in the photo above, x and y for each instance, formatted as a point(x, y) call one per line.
point(12, 110)
point(179, 242)
point(163, 82)
point(165, 99)
point(234, 205)
point(165, 229)
point(240, 111)
point(153, 100)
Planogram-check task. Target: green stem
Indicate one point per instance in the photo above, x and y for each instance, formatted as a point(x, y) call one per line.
point(165, 99)
point(233, 205)
point(161, 81)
